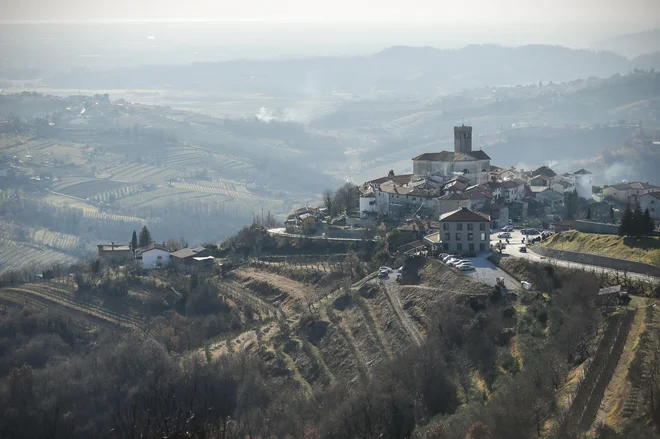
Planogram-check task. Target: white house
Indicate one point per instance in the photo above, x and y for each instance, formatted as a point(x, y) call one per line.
point(583, 181)
point(153, 256)
point(651, 201)
point(628, 192)
point(368, 202)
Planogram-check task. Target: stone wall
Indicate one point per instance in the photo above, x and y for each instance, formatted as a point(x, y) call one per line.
point(600, 261)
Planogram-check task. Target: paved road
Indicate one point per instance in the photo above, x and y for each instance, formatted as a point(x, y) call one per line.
point(282, 232)
point(513, 250)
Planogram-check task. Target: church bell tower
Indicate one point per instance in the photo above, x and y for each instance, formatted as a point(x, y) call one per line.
point(463, 139)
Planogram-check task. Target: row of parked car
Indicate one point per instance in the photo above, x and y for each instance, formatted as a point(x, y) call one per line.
point(456, 262)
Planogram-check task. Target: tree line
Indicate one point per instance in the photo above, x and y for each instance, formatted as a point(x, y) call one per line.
point(635, 223)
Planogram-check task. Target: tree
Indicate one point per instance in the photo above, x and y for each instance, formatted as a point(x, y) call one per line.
point(134, 241)
point(145, 237)
point(638, 221)
point(572, 204)
point(327, 200)
point(648, 223)
point(589, 213)
point(626, 226)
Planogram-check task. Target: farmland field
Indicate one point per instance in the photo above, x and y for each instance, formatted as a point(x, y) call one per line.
point(227, 188)
point(134, 172)
point(89, 188)
point(15, 256)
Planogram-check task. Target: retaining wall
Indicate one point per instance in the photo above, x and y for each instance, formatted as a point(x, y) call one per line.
point(600, 261)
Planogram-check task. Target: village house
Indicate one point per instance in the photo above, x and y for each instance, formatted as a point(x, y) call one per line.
point(473, 165)
point(503, 174)
point(628, 192)
point(551, 200)
point(186, 256)
point(452, 201)
point(499, 216)
point(651, 201)
point(114, 253)
point(479, 197)
point(153, 256)
point(465, 231)
point(398, 200)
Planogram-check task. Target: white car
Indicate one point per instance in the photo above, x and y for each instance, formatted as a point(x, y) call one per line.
point(387, 269)
point(458, 262)
point(378, 238)
point(465, 267)
point(507, 229)
point(447, 258)
point(504, 235)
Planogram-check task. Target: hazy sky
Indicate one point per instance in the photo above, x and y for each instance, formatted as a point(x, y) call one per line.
point(458, 12)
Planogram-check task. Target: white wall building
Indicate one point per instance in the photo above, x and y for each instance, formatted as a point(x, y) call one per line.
point(651, 201)
point(583, 181)
point(368, 203)
point(628, 192)
point(154, 256)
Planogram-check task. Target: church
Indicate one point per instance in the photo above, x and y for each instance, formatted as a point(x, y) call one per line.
point(473, 165)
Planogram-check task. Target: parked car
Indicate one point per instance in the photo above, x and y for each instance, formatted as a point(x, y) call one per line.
point(466, 267)
point(378, 238)
point(383, 273)
point(458, 262)
point(507, 229)
point(443, 255)
point(387, 269)
point(523, 249)
point(504, 235)
point(446, 259)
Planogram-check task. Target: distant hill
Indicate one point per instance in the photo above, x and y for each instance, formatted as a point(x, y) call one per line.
point(401, 70)
point(631, 45)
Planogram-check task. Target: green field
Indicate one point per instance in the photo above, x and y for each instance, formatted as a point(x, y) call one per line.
point(639, 250)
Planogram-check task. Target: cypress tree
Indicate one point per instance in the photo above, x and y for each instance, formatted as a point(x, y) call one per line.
point(625, 228)
point(649, 224)
point(589, 213)
point(638, 227)
point(145, 237)
point(134, 241)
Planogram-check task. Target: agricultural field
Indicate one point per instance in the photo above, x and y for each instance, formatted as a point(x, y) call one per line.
point(62, 241)
point(137, 172)
point(61, 298)
point(228, 188)
point(87, 188)
point(16, 256)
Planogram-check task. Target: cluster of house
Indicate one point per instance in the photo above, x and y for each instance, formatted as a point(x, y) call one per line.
point(646, 194)
point(155, 256)
point(446, 181)
point(304, 220)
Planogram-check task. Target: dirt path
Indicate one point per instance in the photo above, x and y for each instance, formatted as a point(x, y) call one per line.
point(404, 319)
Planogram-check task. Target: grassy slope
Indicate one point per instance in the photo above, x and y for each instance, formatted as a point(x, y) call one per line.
point(639, 250)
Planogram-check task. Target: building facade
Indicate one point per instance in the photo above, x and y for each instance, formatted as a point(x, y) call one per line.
point(115, 253)
point(474, 165)
point(465, 231)
point(154, 256)
point(651, 201)
point(628, 192)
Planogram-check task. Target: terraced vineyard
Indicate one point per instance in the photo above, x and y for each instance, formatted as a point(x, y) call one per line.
point(82, 307)
point(15, 256)
point(130, 173)
point(89, 188)
point(56, 239)
point(227, 188)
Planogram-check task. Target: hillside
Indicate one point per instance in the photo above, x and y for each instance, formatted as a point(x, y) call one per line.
point(633, 44)
point(404, 69)
point(640, 250)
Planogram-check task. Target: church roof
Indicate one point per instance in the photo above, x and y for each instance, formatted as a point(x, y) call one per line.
point(448, 156)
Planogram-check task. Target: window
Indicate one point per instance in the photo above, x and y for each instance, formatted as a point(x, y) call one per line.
point(470, 226)
point(482, 247)
point(483, 236)
point(471, 247)
point(459, 226)
point(458, 237)
point(459, 247)
point(447, 236)
point(414, 198)
point(482, 226)
point(445, 246)
point(470, 236)
point(445, 226)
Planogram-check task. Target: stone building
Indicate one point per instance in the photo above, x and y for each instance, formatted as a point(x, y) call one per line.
point(473, 165)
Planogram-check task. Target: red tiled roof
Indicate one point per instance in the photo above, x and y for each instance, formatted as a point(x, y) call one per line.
point(464, 215)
